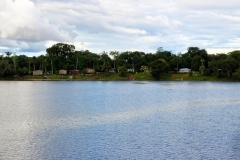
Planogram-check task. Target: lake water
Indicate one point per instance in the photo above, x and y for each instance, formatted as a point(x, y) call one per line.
point(119, 120)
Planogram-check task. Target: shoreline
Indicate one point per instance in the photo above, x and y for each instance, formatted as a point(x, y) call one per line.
point(116, 77)
point(49, 80)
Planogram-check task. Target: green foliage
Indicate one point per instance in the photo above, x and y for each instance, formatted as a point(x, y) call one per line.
point(190, 73)
point(235, 55)
point(143, 76)
point(144, 68)
point(62, 50)
point(104, 62)
point(6, 68)
point(202, 68)
point(122, 71)
point(63, 56)
point(114, 54)
point(229, 66)
point(158, 67)
point(236, 74)
point(196, 62)
point(22, 71)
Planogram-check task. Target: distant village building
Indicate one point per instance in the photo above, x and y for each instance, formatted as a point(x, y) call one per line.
point(184, 70)
point(74, 71)
point(38, 73)
point(62, 71)
point(130, 70)
point(112, 70)
point(90, 70)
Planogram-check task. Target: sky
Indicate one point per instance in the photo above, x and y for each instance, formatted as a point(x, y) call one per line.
point(30, 26)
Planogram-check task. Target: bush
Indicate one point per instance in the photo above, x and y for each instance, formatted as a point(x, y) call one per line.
point(122, 71)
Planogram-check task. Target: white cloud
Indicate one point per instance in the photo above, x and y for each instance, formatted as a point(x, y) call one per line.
point(21, 20)
point(209, 4)
point(99, 25)
point(13, 43)
point(220, 50)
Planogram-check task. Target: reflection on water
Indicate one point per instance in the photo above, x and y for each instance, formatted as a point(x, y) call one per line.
point(119, 120)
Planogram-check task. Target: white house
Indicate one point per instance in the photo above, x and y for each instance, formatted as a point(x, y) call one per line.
point(130, 70)
point(184, 70)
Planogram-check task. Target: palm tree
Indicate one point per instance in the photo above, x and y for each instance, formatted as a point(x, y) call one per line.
point(30, 60)
point(44, 64)
point(115, 54)
point(51, 58)
point(34, 61)
point(6, 68)
point(40, 60)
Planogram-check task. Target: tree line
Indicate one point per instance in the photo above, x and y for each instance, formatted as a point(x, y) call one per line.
point(64, 56)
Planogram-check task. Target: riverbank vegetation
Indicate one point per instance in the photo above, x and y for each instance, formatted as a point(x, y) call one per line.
point(131, 76)
point(128, 65)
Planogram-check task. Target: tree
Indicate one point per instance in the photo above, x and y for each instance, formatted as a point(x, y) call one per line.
point(122, 71)
point(144, 68)
point(8, 54)
point(6, 68)
point(45, 64)
point(148, 58)
point(64, 55)
point(237, 74)
point(193, 51)
point(221, 56)
point(40, 61)
point(193, 57)
point(161, 54)
point(22, 71)
point(235, 54)
point(202, 68)
point(196, 62)
point(123, 59)
point(61, 50)
point(21, 63)
point(158, 67)
point(34, 61)
point(177, 62)
point(51, 57)
point(229, 66)
point(215, 66)
point(30, 60)
point(105, 62)
point(136, 60)
point(115, 54)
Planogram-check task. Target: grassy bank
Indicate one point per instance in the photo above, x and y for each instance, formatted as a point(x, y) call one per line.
point(137, 76)
point(194, 77)
point(90, 77)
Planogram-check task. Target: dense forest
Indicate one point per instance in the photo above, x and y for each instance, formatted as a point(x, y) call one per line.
point(64, 56)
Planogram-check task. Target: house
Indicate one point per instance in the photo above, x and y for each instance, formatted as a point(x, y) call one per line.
point(112, 70)
point(38, 73)
point(130, 70)
point(90, 70)
point(184, 70)
point(74, 71)
point(62, 71)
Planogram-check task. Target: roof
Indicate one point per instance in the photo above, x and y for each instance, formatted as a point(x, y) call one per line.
point(184, 69)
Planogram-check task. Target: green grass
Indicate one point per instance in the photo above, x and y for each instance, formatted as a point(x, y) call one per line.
point(195, 77)
point(141, 76)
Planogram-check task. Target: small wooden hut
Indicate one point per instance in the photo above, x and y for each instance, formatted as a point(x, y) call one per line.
point(90, 70)
point(74, 71)
point(38, 73)
point(62, 71)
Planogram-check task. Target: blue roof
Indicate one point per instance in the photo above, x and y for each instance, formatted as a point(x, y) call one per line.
point(184, 68)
